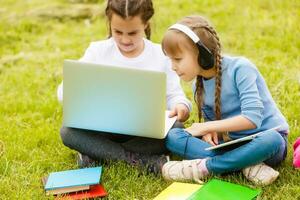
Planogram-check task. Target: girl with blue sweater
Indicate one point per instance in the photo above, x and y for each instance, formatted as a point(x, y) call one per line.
point(234, 101)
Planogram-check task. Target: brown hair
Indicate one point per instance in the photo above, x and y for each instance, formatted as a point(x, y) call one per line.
point(210, 39)
point(131, 8)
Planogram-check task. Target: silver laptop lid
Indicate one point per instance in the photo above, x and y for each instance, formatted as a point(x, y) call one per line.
point(114, 99)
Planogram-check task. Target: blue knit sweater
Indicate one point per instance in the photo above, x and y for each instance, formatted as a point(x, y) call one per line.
point(244, 92)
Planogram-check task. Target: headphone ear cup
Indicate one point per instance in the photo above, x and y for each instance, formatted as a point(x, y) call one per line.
point(205, 59)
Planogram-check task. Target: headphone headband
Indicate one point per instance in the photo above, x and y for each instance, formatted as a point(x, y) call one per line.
point(187, 31)
point(190, 33)
point(206, 60)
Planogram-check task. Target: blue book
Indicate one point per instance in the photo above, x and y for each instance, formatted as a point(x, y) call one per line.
point(73, 178)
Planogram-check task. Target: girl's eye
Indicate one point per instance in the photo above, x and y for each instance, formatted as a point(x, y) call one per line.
point(132, 33)
point(118, 32)
point(177, 59)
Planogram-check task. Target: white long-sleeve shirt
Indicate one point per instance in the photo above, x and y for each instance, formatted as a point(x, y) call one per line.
point(152, 58)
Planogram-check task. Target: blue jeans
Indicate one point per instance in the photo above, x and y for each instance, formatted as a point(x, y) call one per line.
point(269, 147)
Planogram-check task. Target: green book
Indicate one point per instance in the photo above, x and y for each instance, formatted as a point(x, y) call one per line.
point(220, 190)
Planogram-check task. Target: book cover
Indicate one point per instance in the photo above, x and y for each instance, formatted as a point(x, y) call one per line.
point(93, 192)
point(178, 191)
point(67, 190)
point(63, 190)
point(73, 178)
point(216, 189)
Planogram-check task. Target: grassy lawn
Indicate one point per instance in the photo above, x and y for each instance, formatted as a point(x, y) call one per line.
point(36, 36)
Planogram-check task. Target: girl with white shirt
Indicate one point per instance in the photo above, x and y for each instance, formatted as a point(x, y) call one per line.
point(127, 47)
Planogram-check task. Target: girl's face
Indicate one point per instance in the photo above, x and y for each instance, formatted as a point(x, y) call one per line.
point(184, 56)
point(128, 34)
point(185, 65)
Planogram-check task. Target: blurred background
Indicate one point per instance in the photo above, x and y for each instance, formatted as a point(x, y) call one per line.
point(36, 36)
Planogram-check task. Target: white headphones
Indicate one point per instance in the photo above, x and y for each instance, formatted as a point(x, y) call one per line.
point(205, 58)
point(187, 31)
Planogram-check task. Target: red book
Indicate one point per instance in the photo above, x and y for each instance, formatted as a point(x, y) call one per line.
point(93, 192)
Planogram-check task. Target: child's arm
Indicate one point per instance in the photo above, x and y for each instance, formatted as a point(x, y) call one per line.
point(245, 76)
point(181, 111)
point(177, 102)
point(238, 123)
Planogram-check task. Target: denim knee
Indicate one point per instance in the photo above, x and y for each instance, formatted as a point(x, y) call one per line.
point(171, 137)
point(174, 139)
point(279, 148)
point(273, 140)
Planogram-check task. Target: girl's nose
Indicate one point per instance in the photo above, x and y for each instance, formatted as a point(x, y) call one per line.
point(125, 40)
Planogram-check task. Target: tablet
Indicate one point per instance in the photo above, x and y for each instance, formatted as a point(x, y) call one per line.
point(247, 138)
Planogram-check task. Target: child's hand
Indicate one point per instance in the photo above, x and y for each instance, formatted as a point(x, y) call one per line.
point(211, 138)
point(181, 111)
point(198, 129)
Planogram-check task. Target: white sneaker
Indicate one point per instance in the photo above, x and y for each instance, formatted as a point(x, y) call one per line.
point(186, 170)
point(261, 174)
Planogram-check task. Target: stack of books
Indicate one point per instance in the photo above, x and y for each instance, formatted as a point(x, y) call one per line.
point(213, 190)
point(75, 184)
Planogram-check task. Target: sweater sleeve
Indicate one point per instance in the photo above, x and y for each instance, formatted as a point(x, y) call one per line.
point(175, 94)
point(251, 103)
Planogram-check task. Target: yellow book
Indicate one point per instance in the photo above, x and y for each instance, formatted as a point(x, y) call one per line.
point(178, 191)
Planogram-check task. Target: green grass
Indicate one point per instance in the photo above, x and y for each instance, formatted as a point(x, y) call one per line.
point(36, 36)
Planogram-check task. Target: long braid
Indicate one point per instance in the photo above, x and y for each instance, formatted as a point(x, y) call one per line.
point(218, 83)
point(218, 89)
point(218, 68)
point(199, 96)
point(202, 24)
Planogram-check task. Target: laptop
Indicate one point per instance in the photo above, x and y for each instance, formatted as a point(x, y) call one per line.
point(115, 99)
point(243, 139)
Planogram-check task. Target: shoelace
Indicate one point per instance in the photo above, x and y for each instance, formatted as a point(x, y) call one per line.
point(251, 170)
